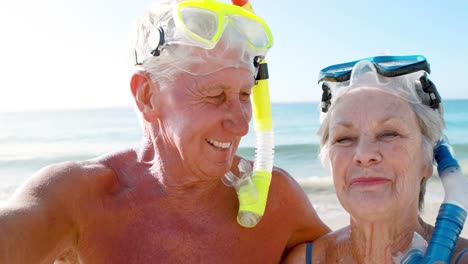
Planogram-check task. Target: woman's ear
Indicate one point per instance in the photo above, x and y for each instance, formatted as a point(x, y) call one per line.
point(428, 170)
point(146, 94)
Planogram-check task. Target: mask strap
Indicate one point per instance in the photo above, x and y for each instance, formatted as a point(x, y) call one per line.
point(157, 51)
point(261, 69)
point(326, 97)
point(429, 87)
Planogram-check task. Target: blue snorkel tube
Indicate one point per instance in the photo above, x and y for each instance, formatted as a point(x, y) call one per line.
point(452, 212)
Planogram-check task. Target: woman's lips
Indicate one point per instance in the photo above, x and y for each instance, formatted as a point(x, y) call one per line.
point(369, 181)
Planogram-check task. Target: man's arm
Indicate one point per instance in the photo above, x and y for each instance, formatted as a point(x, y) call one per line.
point(40, 219)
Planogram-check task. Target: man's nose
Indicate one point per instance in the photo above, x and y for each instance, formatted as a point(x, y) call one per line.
point(237, 119)
point(367, 152)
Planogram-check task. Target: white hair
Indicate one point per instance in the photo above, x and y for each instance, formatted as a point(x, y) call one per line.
point(161, 67)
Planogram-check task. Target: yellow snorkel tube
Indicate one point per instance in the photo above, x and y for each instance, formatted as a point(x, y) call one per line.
point(252, 203)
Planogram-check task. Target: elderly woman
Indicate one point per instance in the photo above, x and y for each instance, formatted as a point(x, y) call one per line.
point(165, 201)
point(378, 128)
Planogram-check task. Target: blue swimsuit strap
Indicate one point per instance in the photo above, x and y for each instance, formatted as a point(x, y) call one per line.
point(309, 253)
point(461, 255)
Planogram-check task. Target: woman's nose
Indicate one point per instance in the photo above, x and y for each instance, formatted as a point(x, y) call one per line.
point(237, 119)
point(367, 152)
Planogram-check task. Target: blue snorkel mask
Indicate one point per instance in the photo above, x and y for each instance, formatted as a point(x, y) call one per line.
point(386, 66)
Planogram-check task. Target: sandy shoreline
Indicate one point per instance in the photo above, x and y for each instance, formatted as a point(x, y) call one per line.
point(322, 196)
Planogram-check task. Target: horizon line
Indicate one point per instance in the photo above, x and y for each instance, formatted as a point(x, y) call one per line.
point(75, 108)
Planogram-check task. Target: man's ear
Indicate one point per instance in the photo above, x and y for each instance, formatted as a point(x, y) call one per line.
point(146, 94)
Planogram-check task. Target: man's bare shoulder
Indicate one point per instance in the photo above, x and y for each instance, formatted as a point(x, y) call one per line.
point(294, 204)
point(287, 184)
point(68, 179)
point(58, 196)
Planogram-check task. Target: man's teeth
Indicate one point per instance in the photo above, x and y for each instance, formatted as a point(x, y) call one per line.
point(219, 144)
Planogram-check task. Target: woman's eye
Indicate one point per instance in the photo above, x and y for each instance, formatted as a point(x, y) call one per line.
point(389, 134)
point(344, 140)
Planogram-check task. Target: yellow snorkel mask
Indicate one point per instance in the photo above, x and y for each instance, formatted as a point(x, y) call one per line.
point(204, 36)
point(215, 17)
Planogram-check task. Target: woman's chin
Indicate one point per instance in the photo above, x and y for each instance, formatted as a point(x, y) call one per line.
point(370, 206)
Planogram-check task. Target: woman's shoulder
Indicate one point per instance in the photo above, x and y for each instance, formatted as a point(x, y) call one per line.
point(461, 251)
point(333, 239)
point(331, 245)
point(321, 250)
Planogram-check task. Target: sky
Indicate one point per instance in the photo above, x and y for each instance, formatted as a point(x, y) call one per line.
point(57, 54)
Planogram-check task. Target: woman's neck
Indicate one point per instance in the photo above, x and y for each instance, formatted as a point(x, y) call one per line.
point(381, 240)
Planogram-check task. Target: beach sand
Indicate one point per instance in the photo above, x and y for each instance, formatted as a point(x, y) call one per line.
point(322, 196)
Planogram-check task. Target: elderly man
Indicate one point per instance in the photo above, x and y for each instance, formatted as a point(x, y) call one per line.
point(165, 201)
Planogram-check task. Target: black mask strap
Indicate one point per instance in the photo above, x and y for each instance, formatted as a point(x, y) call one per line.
point(326, 97)
point(429, 87)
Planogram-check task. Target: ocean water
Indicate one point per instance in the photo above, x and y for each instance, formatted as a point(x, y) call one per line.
point(32, 140)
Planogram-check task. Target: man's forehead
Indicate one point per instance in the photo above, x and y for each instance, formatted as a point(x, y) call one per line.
point(230, 76)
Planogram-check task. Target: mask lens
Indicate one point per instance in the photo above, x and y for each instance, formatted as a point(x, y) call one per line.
point(201, 22)
point(253, 30)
